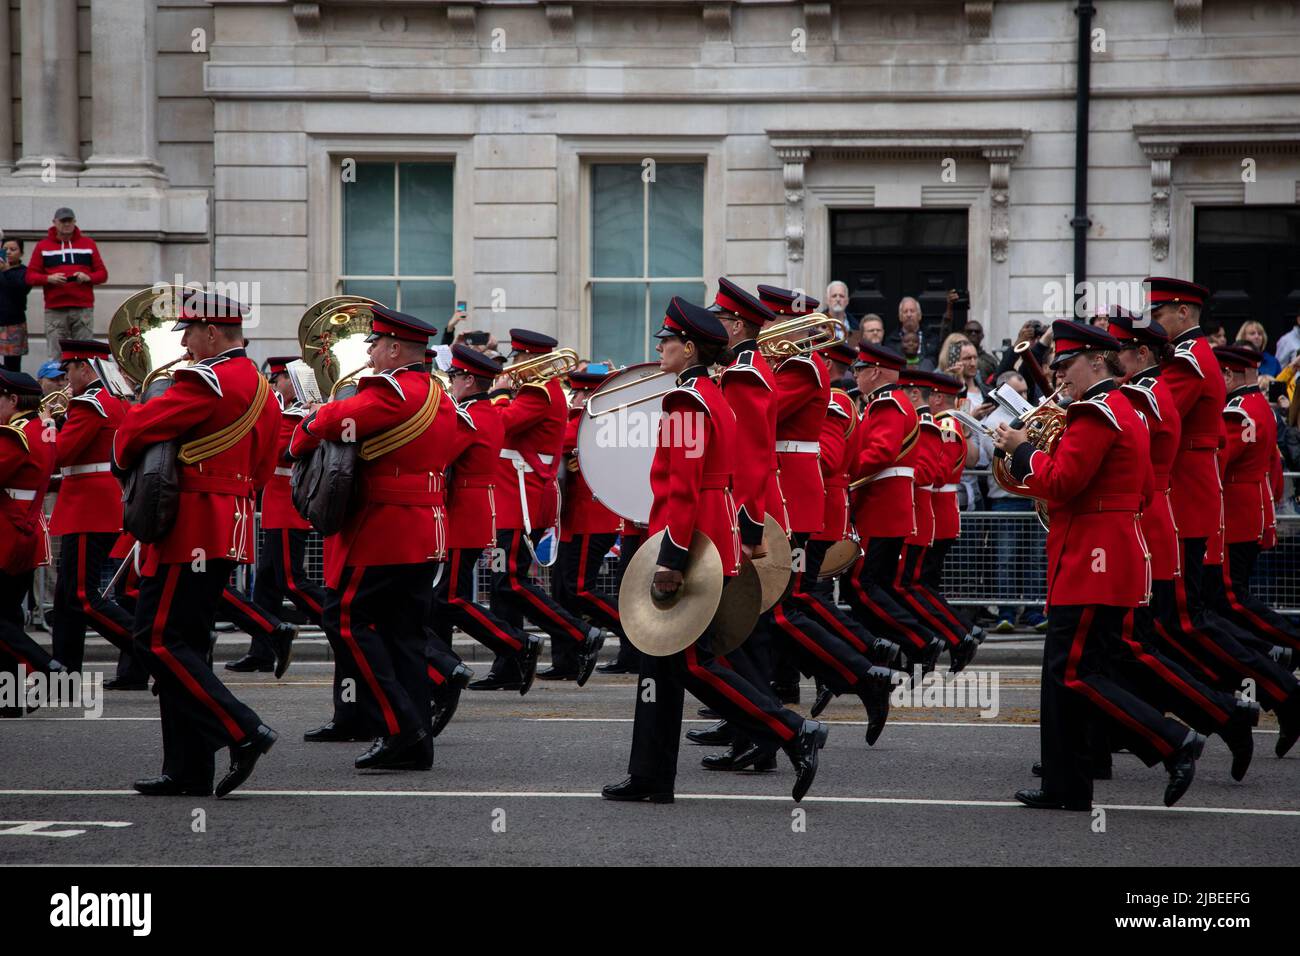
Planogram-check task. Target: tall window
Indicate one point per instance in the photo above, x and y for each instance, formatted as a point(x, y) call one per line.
point(647, 245)
point(397, 237)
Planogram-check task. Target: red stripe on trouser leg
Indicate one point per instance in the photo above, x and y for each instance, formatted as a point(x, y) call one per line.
point(164, 654)
point(436, 677)
point(470, 608)
point(1169, 639)
point(810, 604)
point(1233, 664)
point(936, 601)
point(813, 647)
point(733, 695)
point(1257, 623)
point(363, 665)
point(917, 607)
point(1169, 677)
point(882, 614)
point(16, 655)
point(105, 625)
point(290, 581)
point(586, 594)
point(517, 586)
point(230, 597)
point(1073, 682)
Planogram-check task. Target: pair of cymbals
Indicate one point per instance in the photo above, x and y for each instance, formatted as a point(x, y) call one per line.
point(773, 566)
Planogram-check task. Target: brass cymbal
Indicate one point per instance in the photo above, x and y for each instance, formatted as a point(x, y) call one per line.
point(840, 556)
point(737, 611)
point(664, 629)
point(774, 567)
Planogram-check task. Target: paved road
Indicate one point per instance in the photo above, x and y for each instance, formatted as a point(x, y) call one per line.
point(516, 781)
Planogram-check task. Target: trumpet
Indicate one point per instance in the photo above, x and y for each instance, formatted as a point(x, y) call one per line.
point(55, 404)
point(540, 369)
point(801, 336)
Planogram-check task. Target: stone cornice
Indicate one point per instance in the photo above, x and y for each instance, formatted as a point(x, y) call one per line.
point(1160, 140)
point(1006, 144)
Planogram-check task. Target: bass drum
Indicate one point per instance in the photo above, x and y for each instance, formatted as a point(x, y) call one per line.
point(617, 438)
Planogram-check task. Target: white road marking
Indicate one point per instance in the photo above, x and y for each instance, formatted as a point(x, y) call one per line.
point(720, 797)
point(39, 827)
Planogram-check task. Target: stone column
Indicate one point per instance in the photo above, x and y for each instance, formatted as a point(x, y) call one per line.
point(6, 97)
point(124, 53)
point(793, 159)
point(51, 133)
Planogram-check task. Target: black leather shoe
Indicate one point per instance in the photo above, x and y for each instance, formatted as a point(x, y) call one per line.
point(708, 713)
point(786, 692)
point(416, 757)
point(528, 658)
point(1182, 766)
point(930, 657)
point(167, 786)
point(588, 654)
point(496, 682)
point(638, 788)
point(1288, 728)
point(962, 654)
point(282, 642)
point(720, 733)
point(1236, 733)
point(884, 651)
point(824, 697)
point(614, 667)
point(743, 756)
point(447, 698)
point(244, 757)
point(978, 634)
point(117, 683)
point(1040, 800)
point(392, 752)
point(557, 673)
point(802, 752)
point(331, 732)
point(875, 696)
point(249, 664)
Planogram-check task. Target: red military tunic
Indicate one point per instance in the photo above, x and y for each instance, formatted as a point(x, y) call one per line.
point(26, 461)
point(215, 514)
point(90, 498)
point(837, 446)
point(943, 496)
point(1196, 382)
point(692, 491)
point(1252, 464)
point(884, 507)
point(1095, 482)
point(472, 501)
point(1151, 396)
point(926, 458)
point(749, 386)
point(803, 393)
point(583, 513)
point(534, 423)
point(401, 518)
point(277, 498)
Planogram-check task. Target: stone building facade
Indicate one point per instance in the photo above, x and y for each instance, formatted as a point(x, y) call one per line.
point(567, 165)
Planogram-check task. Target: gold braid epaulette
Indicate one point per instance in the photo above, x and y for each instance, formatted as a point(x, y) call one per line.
point(20, 434)
point(209, 446)
point(408, 431)
point(909, 441)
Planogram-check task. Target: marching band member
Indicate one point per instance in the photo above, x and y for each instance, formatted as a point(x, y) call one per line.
point(88, 516)
point(221, 409)
point(381, 569)
point(628, 659)
point(26, 460)
point(534, 421)
point(1096, 482)
point(692, 488)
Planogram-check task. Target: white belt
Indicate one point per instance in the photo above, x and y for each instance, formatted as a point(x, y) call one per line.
point(800, 447)
point(949, 488)
point(21, 494)
point(90, 469)
point(515, 456)
point(286, 472)
point(903, 472)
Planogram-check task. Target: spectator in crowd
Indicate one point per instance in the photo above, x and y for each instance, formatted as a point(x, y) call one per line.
point(988, 362)
point(51, 377)
point(1288, 376)
point(1034, 332)
point(68, 264)
point(1252, 333)
point(1214, 332)
point(836, 304)
point(950, 354)
point(872, 328)
point(1288, 346)
point(1288, 437)
point(909, 320)
point(911, 343)
point(1101, 320)
point(13, 305)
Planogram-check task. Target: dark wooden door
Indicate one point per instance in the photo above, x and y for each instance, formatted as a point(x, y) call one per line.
point(1249, 257)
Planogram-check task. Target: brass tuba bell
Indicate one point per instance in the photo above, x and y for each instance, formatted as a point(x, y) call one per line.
point(141, 337)
point(1045, 425)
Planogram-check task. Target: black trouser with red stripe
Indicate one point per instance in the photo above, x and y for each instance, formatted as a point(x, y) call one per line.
point(629, 544)
point(515, 597)
point(817, 600)
point(953, 626)
point(575, 586)
point(660, 694)
point(440, 659)
point(454, 606)
point(173, 620)
point(375, 622)
point(1077, 686)
point(77, 601)
point(908, 592)
point(281, 572)
point(872, 597)
point(250, 617)
point(1227, 590)
point(15, 646)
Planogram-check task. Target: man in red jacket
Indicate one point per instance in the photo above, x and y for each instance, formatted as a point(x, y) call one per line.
point(88, 516)
point(1096, 482)
point(68, 264)
point(222, 412)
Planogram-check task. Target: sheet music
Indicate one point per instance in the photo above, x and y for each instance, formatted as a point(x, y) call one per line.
point(1012, 401)
point(305, 387)
point(112, 378)
point(973, 424)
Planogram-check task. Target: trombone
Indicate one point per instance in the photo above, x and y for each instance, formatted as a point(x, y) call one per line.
point(802, 335)
point(540, 369)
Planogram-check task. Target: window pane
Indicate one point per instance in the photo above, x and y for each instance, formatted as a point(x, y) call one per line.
point(616, 214)
point(368, 221)
point(425, 198)
point(677, 220)
point(431, 301)
point(661, 294)
point(618, 332)
point(384, 293)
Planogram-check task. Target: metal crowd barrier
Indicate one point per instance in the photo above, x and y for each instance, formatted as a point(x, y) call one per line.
point(999, 559)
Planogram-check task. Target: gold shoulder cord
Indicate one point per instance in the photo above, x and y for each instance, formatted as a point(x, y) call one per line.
point(209, 446)
point(408, 431)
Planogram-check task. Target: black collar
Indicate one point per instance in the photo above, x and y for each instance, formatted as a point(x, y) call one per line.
point(882, 390)
point(412, 367)
point(1153, 372)
point(749, 345)
point(1100, 388)
point(1243, 390)
point(1195, 332)
point(233, 353)
point(476, 397)
point(695, 371)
